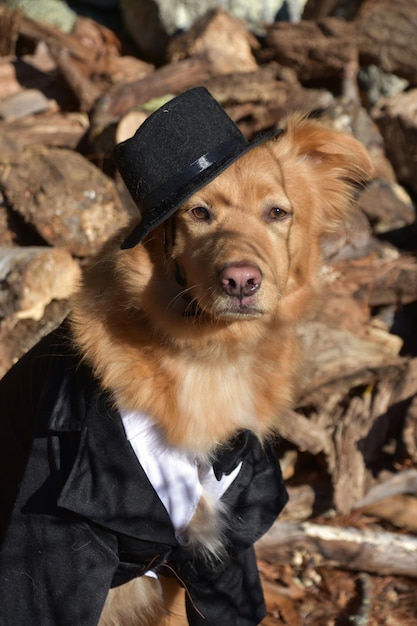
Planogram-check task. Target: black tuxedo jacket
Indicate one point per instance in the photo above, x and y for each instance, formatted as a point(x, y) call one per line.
point(80, 516)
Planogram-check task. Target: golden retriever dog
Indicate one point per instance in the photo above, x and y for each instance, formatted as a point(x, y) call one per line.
point(186, 324)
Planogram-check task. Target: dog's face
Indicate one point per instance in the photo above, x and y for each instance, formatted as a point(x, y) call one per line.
point(247, 245)
point(231, 242)
point(215, 290)
point(238, 240)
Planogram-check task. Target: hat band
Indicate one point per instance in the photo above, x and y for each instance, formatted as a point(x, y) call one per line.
point(225, 149)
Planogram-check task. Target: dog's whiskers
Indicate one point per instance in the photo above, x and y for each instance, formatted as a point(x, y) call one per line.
point(178, 296)
point(202, 309)
point(193, 310)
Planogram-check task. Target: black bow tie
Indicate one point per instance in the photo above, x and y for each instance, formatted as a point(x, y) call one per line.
point(229, 455)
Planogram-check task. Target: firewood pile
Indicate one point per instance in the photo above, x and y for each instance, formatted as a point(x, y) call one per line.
point(345, 549)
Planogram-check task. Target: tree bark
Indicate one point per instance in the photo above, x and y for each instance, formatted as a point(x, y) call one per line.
point(386, 35)
point(347, 548)
point(172, 78)
point(320, 49)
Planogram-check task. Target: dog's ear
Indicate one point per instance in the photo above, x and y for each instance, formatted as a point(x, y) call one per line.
point(336, 160)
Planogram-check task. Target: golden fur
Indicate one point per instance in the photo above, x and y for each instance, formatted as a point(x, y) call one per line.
point(165, 338)
point(145, 601)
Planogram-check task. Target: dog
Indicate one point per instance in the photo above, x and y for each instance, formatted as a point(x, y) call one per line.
point(150, 471)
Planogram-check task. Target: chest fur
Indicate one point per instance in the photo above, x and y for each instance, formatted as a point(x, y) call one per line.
point(216, 390)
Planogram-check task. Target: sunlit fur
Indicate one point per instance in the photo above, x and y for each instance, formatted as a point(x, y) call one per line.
point(145, 601)
point(206, 528)
point(140, 601)
point(222, 367)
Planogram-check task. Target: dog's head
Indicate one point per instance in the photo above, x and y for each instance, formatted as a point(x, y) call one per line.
point(247, 245)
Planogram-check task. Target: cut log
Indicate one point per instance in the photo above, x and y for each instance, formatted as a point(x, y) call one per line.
point(410, 430)
point(83, 57)
point(381, 281)
point(31, 277)
point(169, 79)
point(315, 50)
point(40, 31)
point(9, 30)
point(359, 435)
point(300, 505)
point(303, 433)
point(315, 9)
point(399, 510)
point(397, 120)
point(66, 199)
point(35, 285)
point(223, 39)
point(351, 240)
point(24, 103)
point(262, 99)
point(60, 130)
point(37, 71)
point(8, 80)
point(347, 464)
point(386, 36)
point(17, 336)
point(387, 205)
point(83, 88)
point(146, 25)
point(337, 360)
point(350, 116)
point(400, 483)
point(8, 230)
point(393, 500)
point(281, 604)
point(336, 546)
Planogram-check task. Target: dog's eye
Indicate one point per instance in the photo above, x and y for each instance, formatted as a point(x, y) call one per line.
point(201, 213)
point(276, 213)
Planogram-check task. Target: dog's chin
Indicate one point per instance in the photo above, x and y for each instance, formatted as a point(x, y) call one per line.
point(234, 309)
point(239, 313)
point(226, 309)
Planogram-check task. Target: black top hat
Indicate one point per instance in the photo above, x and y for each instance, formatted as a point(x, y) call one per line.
point(177, 150)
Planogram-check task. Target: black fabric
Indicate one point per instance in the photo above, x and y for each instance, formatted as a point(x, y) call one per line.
point(177, 150)
point(218, 600)
point(80, 516)
point(228, 457)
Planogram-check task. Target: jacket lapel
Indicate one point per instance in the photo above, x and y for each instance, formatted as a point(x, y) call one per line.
point(107, 485)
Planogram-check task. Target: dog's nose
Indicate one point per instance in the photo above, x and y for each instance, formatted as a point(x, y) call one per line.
point(240, 280)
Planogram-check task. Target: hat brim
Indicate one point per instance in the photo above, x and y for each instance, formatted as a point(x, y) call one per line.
point(163, 210)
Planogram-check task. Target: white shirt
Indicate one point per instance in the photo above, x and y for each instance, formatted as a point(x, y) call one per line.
point(177, 477)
